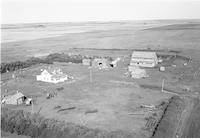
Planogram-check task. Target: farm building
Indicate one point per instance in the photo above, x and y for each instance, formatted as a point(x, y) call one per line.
point(144, 59)
point(137, 72)
point(86, 62)
point(15, 99)
point(52, 76)
point(100, 63)
point(114, 62)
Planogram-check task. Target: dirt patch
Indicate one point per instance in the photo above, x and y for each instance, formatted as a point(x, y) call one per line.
point(154, 87)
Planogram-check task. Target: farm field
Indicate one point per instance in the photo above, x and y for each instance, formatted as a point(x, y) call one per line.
point(109, 99)
point(108, 35)
point(121, 113)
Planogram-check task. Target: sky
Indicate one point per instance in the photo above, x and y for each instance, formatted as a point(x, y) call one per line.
point(29, 11)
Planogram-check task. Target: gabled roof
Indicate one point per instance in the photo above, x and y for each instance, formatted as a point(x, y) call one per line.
point(143, 54)
point(18, 95)
point(15, 96)
point(45, 72)
point(52, 71)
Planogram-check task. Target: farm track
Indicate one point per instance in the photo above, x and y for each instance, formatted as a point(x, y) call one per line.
point(184, 117)
point(192, 125)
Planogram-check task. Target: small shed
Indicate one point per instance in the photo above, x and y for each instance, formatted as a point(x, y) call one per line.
point(162, 68)
point(137, 72)
point(114, 62)
point(29, 101)
point(86, 62)
point(15, 99)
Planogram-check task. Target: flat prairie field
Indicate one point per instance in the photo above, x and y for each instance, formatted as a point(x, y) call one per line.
point(22, 41)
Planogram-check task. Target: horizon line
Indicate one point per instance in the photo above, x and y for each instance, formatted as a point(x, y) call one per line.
point(101, 21)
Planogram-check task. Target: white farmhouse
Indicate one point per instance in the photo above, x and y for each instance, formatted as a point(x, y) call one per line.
point(52, 76)
point(144, 59)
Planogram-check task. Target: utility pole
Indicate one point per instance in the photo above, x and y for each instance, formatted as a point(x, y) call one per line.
point(195, 75)
point(90, 75)
point(163, 82)
point(190, 59)
point(32, 107)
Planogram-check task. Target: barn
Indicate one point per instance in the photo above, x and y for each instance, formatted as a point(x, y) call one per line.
point(144, 59)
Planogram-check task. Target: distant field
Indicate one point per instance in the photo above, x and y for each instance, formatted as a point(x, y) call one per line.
point(22, 41)
point(186, 26)
point(32, 31)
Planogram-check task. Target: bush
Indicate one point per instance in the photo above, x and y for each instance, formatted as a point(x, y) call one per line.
point(5, 67)
point(24, 123)
point(56, 57)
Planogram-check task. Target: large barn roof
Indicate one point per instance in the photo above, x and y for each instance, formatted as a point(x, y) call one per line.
point(143, 54)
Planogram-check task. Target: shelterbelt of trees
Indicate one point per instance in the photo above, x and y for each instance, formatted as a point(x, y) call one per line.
point(36, 126)
point(56, 57)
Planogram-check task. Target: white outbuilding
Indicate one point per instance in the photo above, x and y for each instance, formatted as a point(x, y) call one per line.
point(137, 72)
point(114, 62)
point(162, 68)
point(86, 62)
